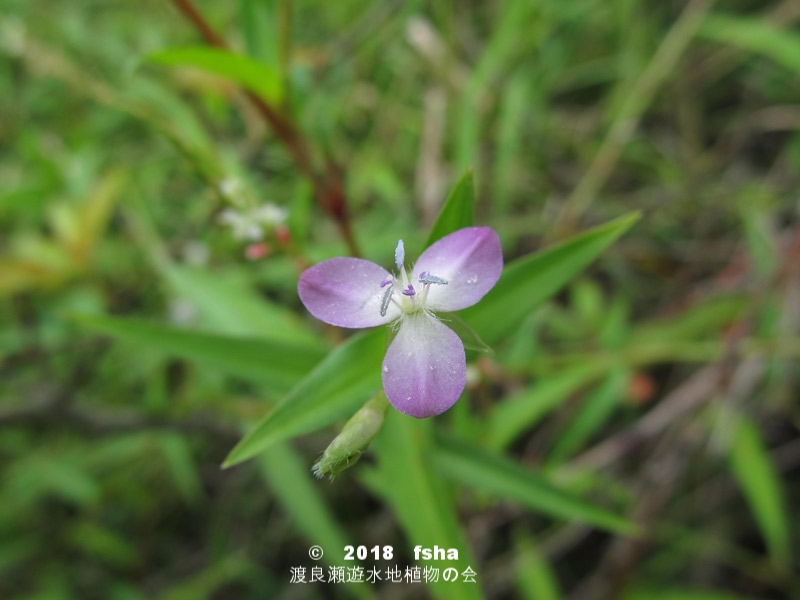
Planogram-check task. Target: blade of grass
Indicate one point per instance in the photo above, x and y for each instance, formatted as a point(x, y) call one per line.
point(529, 281)
point(278, 364)
point(761, 485)
point(292, 483)
point(458, 210)
point(522, 411)
point(625, 122)
point(593, 413)
point(237, 309)
point(502, 477)
point(335, 389)
point(247, 72)
point(761, 37)
point(421, 504)
point(696, 323)
point(535, 578)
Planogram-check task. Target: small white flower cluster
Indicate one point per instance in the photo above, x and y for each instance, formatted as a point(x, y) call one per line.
point(248, 223)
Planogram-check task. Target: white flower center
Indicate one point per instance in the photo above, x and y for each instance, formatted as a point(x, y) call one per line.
point(408, 300)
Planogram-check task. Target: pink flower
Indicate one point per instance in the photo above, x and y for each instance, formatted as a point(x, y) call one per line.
point(424, 371)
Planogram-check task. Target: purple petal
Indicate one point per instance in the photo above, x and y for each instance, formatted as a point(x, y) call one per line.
point(470, 260)
point(346, 292)
point(425, 368)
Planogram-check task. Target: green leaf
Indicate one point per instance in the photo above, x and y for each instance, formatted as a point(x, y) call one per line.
point(458, 210)
point(406, 480)
point(781, 45)
point(516, 106)
point(696, 323)
point(103, 545)
point(529, 281)
point(258, 24)
point(481, 469)
point(235, 308)
point(32, 479)
point(166, 109)
point(522, 411)
point(761, 485)
point(279, 364)
point(333, 390)
point(470, 339)
point(534, 576)
point(178, 458)
point(250, 74)
point(225, 303)
point(593, 412)
point(291, 481)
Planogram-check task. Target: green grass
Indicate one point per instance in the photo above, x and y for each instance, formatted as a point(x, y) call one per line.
point(633, 429)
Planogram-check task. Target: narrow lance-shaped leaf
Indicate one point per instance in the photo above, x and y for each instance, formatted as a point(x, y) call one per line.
point(333, 390)
point(279, 364)
point(224, 303)
point(291, 482)
point(250, 74)
point(761, 486)
point(406, 479)
point(458, 210)
point(235, 308)
point(698, 322)
point(481, 469)
point(529, 281)
point(522, 411)
point(593, 412)
point(258, 23)
point(781, 45)
point(535, 577)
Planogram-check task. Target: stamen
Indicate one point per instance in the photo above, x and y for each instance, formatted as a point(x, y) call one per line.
point(409, 291)
point(387, 296)
point(385, 282)
point(426, 277)
point(399, 255)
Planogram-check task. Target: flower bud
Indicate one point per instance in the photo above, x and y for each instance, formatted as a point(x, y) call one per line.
point(347, 447)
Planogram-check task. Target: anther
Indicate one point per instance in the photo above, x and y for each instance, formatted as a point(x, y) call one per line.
point(409, 291)
point(426, 277)
point(399, 255)
point(387, 296)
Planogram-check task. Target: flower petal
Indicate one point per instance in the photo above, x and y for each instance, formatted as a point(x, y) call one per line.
point(470, 260)
point(346, 292)
point(425, 368)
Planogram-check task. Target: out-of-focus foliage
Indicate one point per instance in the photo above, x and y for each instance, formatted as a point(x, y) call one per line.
point(631, 434)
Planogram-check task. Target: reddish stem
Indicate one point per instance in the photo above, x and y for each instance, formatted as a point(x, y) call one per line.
point(327, 186)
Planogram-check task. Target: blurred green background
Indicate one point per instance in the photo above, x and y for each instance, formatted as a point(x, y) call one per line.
point(633, 436)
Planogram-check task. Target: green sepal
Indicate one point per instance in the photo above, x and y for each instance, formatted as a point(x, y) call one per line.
point(469, 337)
